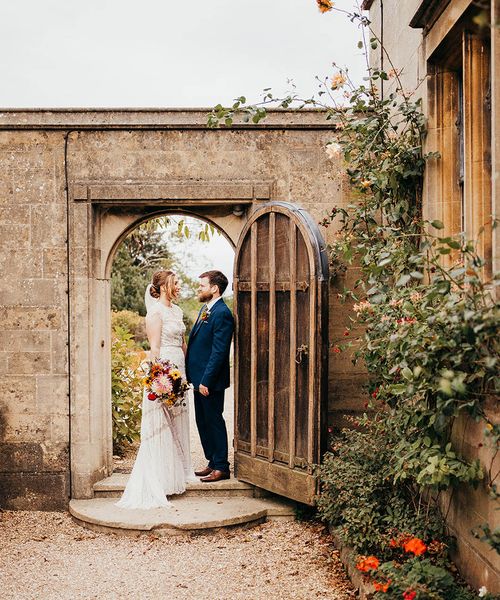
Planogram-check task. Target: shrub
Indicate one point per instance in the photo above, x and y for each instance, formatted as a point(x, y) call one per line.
point(134, 323)
point(126, 389)
point(360, 499)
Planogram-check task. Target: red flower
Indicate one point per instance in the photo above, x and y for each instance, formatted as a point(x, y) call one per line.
point(415, 545)
point(375, 393)
point(346, 332)
point(368, 563)
point(381, 587)
point(152, 396)
point(409, 595)
point(393, 544)
point(336, 349)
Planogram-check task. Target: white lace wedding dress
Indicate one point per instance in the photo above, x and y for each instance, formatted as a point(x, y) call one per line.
point(163, 463)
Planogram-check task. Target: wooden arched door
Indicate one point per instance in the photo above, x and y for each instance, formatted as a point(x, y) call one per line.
point(281, 351)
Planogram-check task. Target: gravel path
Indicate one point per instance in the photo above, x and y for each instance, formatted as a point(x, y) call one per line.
point(45, 555)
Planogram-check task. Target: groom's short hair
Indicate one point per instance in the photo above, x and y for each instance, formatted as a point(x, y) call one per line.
point(216, 278)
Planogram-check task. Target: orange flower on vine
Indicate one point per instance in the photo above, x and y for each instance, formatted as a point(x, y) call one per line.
point(324, 5)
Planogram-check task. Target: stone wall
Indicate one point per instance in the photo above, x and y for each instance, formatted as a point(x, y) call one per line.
point(34, 424)
point(120, 167)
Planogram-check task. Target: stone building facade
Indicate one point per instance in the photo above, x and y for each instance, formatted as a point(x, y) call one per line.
point(449, 56)
point(72, 185)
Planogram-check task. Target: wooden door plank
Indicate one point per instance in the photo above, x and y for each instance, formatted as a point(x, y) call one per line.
point(293, 343)
point(236, 382)
point(295, 484)
point(253, 335)
point(272, 334)
point(312, 404)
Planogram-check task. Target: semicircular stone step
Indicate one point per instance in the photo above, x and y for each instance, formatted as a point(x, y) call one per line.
point(187, 515)
point(113, 486)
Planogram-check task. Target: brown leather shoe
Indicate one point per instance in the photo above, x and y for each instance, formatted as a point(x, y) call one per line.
point(204, 472)
point(216, 476)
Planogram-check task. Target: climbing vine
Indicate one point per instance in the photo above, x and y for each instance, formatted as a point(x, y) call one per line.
point(425, 319)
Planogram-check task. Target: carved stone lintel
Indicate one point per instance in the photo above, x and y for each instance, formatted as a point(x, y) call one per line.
point(209, 192)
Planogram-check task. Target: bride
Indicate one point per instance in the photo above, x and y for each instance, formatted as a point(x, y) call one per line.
point(163, 463)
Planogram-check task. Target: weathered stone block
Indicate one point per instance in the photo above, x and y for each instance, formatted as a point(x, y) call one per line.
point(22, 317)
point(59, 352)
point(18, 214)
point(20, 457)
point(18, 263)
point(28, 292)
point(55, 456)
point(52, 394)
point(30, 363)
point(48, 225)
point(59, 427)
point(55, 262)
point(26, 428)
point(17, 394)
point(25, 341)
point(34, 491)
point(15, 236)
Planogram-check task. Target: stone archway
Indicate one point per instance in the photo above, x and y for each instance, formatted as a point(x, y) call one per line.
point(107, 225)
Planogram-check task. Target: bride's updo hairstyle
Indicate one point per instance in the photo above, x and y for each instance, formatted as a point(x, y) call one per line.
point(160, 279)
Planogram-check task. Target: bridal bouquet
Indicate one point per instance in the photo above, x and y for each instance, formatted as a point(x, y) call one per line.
point(164, 382)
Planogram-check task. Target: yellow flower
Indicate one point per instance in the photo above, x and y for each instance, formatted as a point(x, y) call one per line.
point(175, 374)
point(365, 183)
point(324, 5)
point(338, 81)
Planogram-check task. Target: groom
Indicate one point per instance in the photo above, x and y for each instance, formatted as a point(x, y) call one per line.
point(207, 368)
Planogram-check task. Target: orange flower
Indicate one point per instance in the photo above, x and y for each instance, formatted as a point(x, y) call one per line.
point(415, 545)
point(393, 544)
point(324, 5)
point(368, 563)
point(381, 587)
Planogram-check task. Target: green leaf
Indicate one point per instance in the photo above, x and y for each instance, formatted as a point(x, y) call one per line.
point(403, 280)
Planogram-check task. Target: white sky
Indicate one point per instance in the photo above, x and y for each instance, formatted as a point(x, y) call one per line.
point(166, 53)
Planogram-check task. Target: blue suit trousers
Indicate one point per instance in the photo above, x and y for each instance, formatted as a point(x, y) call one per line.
point(212, 428)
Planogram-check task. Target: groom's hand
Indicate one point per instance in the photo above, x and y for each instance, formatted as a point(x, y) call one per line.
point(203, 390)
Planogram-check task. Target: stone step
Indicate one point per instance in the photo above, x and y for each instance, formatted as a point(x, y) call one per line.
point(187, 515)
point(113, 486)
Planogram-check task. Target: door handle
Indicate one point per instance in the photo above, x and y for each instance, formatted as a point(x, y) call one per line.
point(301, 352)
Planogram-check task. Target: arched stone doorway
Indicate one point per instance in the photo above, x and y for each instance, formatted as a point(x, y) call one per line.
point(89, 302)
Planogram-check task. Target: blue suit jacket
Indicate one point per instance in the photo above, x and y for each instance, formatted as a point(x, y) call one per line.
point(207, 357)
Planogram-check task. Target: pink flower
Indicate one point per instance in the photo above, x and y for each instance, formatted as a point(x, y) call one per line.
point(162, 385)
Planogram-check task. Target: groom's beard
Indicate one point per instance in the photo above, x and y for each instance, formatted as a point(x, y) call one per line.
point(205, 296)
